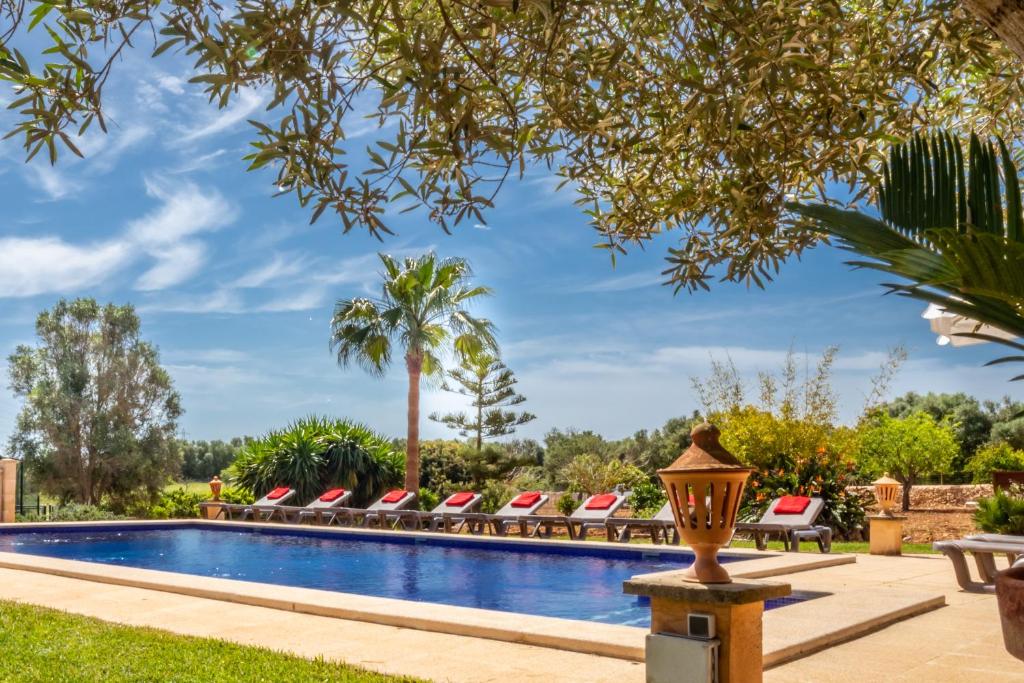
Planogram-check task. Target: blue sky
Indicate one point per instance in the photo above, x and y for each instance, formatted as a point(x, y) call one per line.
point(237, 289)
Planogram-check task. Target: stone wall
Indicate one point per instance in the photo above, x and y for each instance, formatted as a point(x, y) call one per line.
point(940, 497)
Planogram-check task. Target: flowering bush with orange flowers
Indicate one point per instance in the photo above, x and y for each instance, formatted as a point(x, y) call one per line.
point(823, 473)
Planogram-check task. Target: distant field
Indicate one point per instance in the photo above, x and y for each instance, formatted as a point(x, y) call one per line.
point(191, 486)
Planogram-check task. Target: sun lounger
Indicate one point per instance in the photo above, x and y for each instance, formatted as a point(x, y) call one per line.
point(296, 513)
point(792, 518)
point(984, 552)
point(662, 524)
point(276, 496)
point(592, 514)
point(449, 515)
point(373, 515)
point(509, 516)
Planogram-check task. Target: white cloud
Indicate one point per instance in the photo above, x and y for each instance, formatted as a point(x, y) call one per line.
point(621, 283)
point(49, 264)
point(302, 300)
point(282, 266)
point(184, 211)
point(241, 109)
point(52, 182)
point(175, 263)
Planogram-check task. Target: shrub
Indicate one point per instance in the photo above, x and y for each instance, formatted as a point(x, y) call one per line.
point(236, 495)
point(1003, 513)
point(647, 499)
point(442, 467)
point(428, 500)
point(316, 453)
point(996, 456)
point(588, 474)
point(178, 503)
point(567, 503)
point(73, 512)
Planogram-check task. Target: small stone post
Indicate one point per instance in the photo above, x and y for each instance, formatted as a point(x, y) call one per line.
point(738, 608)
point(886, 528)
point(8, 486)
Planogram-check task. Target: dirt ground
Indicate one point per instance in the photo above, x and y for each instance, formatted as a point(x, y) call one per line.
point(925, 526)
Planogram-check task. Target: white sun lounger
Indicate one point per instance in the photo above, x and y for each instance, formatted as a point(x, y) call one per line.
point(791, 528)
point(984, 548)
point(662, 524)
point(243, 512)
point(508, 516)
point(449, 515)
point(296, 513)
point(373, 515)
point(578, 523)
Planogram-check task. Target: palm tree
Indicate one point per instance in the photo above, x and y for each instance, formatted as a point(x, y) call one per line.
point(422, 309)
point(954, 230)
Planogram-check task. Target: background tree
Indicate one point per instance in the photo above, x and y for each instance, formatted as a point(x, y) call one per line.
point(201, 460)
point(660, 115)
point(591, 474)
point(651, 451)
point(1007, 422)
point(971, 423)
point(491, 386)
point(422, 309)
point(561, 447)
point(99, 413)
point(907, 448)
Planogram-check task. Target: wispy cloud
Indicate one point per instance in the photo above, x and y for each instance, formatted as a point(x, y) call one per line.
point(248, 101)
point(621, 283)
point(281, 266)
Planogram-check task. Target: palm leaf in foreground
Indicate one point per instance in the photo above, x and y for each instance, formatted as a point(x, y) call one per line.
point(955, 231)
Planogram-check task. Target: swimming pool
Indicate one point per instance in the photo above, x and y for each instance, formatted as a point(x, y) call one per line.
point(530, 578)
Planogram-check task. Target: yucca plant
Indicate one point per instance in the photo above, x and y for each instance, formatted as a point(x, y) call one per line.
point(314, 454)
point(953, 227)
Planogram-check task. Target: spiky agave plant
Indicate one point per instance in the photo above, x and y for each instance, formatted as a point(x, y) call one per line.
point(953, 228)
point(316, 453)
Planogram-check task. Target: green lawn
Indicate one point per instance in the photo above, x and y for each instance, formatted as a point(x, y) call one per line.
point(46, 645)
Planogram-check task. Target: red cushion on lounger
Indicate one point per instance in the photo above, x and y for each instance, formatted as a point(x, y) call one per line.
point(459, 499)
point(526, 500)
point(602, 502)
point(791, 505)
point(279, 492)
point(393, 496)
point(332, 495)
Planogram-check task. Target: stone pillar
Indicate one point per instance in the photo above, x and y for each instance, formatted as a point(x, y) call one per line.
point(885, 535)
point(737, 607)
point(8, 487)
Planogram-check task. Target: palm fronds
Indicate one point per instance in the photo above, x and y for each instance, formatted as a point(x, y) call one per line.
point(954, 229)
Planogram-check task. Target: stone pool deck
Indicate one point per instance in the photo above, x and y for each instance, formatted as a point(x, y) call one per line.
point(957, 642)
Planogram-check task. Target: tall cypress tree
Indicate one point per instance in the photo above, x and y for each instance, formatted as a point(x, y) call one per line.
point(491, 386)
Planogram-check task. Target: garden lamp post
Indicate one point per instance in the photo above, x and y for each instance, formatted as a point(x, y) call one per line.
point(887, 491)
point(704, 487)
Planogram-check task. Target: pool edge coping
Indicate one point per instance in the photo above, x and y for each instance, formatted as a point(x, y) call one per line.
point(622, 642)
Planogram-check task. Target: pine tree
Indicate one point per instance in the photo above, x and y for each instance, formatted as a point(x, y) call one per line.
point(491, 385)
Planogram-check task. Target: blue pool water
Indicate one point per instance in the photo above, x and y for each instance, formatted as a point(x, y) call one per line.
point(576, 583)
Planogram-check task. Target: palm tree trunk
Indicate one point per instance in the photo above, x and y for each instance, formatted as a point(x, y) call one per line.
point(414, 364)
point(1004, 17)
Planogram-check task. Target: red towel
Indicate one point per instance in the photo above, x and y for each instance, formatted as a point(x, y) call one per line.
point(459, 499)
point(526, 500)
point(791, 505)
point(602, 502)
point(394, 496)
point(279, 492)
point(332, 495)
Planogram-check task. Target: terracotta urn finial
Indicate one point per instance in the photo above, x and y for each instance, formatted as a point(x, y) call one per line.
point(215, 487)
point(887, 493)
point(704, 486)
